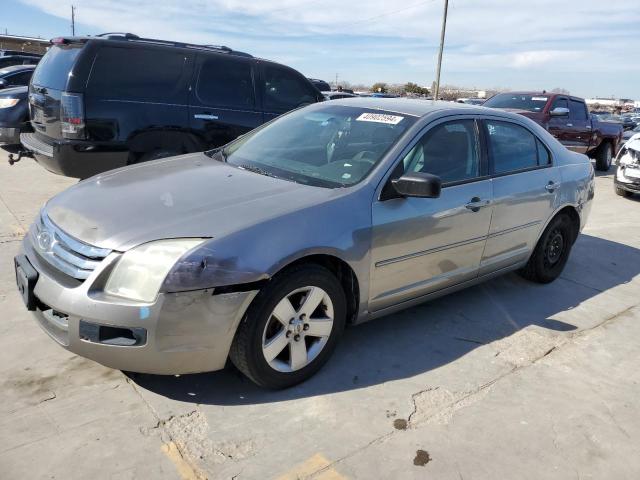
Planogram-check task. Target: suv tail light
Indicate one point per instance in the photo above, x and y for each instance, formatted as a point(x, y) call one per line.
point(72, 116)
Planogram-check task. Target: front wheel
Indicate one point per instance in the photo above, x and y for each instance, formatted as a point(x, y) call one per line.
point(291, 328)
point(552, 251)
point(604, 156)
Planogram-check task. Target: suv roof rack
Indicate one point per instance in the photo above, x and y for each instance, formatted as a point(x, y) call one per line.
point(136, 38)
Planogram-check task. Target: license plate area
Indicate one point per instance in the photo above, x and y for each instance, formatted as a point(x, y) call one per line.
point(26, 278)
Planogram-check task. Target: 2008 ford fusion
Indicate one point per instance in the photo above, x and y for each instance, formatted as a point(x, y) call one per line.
point(263, 250)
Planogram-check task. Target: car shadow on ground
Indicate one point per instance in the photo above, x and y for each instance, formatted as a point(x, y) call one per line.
point(428, 336)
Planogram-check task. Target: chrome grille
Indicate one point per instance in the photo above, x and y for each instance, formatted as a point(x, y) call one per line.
point(72, 257)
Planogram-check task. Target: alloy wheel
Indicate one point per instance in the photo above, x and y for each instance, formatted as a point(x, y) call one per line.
point(298, 329)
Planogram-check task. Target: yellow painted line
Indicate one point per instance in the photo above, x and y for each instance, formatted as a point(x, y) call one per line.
point(311, 466)
point(185, 470)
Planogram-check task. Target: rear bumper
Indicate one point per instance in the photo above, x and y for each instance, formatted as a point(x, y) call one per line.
point(75, 159)
point(9, 136)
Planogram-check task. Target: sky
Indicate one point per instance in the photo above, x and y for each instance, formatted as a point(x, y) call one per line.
point(589, 47)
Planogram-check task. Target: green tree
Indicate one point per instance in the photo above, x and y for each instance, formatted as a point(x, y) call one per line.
point(379, 87)
point(415, 88)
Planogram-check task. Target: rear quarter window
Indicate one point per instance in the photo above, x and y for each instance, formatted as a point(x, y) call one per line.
point(54, 68)
point(139, 74)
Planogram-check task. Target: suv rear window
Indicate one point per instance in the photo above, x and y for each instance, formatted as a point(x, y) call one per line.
point(54, 68)
point(138, 74)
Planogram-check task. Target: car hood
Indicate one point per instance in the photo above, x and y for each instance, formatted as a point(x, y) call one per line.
point(185, 196)
point(14, 92)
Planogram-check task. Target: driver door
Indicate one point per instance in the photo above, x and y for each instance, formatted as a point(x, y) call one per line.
point(422, 245)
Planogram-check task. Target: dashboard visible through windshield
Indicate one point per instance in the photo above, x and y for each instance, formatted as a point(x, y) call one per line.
point(334, 146)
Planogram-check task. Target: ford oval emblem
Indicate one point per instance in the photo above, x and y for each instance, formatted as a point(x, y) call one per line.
point(45, 241)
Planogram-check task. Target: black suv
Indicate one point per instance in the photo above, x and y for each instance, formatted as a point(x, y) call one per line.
point(103, 102)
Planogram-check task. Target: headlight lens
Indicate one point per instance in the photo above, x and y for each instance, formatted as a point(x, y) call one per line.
point(140, 272)
point(8, 102)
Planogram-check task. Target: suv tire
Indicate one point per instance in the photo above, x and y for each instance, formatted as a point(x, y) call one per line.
point(604, 157)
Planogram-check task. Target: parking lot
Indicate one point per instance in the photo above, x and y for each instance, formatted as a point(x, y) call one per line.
point(508, 379)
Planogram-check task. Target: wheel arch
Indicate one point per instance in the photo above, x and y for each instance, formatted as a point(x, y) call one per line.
point(573, 214)
point(148, 141)
point(343, 272)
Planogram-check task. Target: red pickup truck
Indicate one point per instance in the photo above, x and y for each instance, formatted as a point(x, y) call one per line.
point(568, 119)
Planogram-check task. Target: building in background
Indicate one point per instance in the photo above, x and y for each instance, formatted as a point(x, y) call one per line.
point(24, 44)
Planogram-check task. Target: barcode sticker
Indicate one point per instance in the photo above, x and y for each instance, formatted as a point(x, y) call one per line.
point(380, 118)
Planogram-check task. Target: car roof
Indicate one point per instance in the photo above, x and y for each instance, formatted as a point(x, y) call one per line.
point(417, 107)
point(15, 68)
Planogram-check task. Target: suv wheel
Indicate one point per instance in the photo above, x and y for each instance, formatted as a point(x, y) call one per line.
point(604, 156)
point(156, 155)
point(291, 328)
point(551, 252)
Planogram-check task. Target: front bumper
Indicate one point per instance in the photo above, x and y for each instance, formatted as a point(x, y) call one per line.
point(74, 158)
point(9, 136)
point(179, 333)
point(626, 183)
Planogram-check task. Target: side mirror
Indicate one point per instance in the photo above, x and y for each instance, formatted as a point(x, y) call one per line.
point(559, 112)
point(418, 184)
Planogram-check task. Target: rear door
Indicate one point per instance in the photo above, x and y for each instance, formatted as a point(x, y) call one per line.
point(47, 84)
point(283, 89)
point(223, 102)
point(525, 187)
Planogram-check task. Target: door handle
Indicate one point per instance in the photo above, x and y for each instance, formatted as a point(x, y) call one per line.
point(205, 116)
point(551, 186)
point(476, 204)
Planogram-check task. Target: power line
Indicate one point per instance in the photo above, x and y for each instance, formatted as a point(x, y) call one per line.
point(392, 12)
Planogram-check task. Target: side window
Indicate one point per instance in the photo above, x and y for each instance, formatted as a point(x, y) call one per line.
point(560, 103)
point(284, 90)
point(142, 74)
point(577, 110)
point(449, 150)
point(20, 78)
point(544, 156)
point(226, 82)
point(512, 147)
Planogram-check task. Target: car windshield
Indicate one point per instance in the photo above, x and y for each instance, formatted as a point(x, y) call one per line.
point(330, 146)
point(531, 103)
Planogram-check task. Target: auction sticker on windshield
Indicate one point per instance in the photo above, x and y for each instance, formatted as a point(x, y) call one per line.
point(380, 118)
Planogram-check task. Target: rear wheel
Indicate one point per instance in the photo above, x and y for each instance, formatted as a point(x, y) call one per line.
point(604, 156)
point(551, 252)
point(155, 155)
point(291, 328)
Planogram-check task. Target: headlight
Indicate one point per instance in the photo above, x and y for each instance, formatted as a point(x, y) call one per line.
point(140, 272)
point(8, 102)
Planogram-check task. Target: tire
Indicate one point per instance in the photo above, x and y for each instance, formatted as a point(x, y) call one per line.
point(552, 251)
point(622, 192)
point(263, 334)
point(604, 157)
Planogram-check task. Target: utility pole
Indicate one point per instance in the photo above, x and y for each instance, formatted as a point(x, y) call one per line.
point(336, 81)
point(73, 20)
point(436, 93)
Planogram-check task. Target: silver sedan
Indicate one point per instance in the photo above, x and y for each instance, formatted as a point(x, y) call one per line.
point(264, 250)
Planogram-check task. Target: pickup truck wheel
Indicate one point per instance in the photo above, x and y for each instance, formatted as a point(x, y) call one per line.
point(291, 328)
point(604, 155)
point(552, 251)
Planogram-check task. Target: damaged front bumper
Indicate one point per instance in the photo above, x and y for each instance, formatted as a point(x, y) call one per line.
point(627, 175)
point(178, 333)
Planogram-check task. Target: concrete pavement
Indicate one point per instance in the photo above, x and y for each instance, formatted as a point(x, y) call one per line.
point(508, 379)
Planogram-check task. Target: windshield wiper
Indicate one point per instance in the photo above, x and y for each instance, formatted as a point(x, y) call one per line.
point(258, 170)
